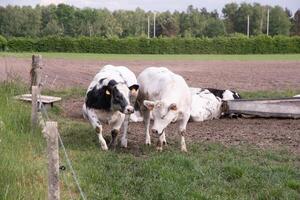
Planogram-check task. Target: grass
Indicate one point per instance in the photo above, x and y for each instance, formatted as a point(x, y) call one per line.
point(269, 94)
point(207, 171)
point(160, 57)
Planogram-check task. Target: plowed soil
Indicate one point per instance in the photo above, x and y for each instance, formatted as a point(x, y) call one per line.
point(237, 75)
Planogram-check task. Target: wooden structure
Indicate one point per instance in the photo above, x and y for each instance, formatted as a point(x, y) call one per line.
point(35, 72)
point(279, 108)
point(46, 100)
point(53, 160)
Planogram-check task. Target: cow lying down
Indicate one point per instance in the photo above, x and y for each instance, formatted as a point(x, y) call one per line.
point(108, 100)
point(207, 104)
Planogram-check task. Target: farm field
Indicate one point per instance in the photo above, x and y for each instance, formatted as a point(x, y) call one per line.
point(227, 158)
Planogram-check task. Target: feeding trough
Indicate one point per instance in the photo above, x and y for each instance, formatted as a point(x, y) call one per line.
point(279, 108)
point(46, 100)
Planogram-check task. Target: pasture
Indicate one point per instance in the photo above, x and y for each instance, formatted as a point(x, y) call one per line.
point(226, 159)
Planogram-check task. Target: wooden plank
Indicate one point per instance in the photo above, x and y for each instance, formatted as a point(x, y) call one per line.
point(282, 108)
point(45, 99)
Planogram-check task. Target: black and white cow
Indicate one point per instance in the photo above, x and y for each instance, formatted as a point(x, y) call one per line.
point(208, 103)
point(109, 99)
point(225, 95)
point(168, 97)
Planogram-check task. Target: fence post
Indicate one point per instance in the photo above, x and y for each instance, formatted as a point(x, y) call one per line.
point(35, 72)
point(34, 107)
point(53, 160)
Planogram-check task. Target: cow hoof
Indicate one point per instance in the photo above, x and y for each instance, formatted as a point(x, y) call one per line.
point(124, 143)
point(184, 150)
point(165, 143)
point(159, 149)
point(104, 148)
point(148, 143)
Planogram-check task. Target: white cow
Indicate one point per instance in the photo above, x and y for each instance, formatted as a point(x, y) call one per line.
point(205, 105)
point(108, 98)
point(168, 97)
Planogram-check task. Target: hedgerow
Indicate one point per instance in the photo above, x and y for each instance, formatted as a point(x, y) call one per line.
point(220, 45)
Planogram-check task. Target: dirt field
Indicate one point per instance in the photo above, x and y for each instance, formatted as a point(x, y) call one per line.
point(238, 75)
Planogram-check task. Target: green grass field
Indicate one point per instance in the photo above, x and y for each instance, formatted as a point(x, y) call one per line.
point(141, 57)
point(207, 171)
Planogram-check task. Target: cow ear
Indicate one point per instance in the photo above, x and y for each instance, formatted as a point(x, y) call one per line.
point(173, 106)
point(149, 104)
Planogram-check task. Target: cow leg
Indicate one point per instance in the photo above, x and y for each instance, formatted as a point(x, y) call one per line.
point(114, 134)
point(161, 141)
point(146, 116)
point(94, 121)
point(163, 138)
point(125, 129)
point(116, 125)
point(182, 130)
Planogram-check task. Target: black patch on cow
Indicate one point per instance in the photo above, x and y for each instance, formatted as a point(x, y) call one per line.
point(236, 95)
point(101, 81)
point(216, 92)
point(98, 99)
point(219, 93)
point(119, 99)
point(136, 87)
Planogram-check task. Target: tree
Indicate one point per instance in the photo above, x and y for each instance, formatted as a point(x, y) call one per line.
point(106, 25)
point(214, 28)
point(230, 13)
point(66, 18)
point(296, 23)
point(167, 24)
point(279, 22)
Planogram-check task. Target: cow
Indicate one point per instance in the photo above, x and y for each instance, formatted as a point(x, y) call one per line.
point(109, 99)
point(210, 103)
point(167, 95)
point(205, 105)
point(225, 95)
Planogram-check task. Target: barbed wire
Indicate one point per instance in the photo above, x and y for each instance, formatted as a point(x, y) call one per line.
point(74, 175)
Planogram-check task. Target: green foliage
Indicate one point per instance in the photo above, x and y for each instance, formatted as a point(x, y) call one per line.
point(52, 20)
point(3, 43)
point(279, 22)
point(235, 44)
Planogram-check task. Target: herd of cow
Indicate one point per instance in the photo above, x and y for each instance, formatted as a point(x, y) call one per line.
point(116, 96)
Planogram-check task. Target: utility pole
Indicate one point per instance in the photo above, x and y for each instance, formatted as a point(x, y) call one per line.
point(154, 34)
point(148, 27)
point(268, 18)
point(248, 26)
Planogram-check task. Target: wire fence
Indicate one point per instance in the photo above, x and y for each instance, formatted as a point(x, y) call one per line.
point(45, 115)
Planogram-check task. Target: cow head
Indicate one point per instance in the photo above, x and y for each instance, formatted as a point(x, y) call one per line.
point(112, 97)
point(121, 96)
point(163, 114)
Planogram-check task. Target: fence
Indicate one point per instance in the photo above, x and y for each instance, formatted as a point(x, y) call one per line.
point(50, 132)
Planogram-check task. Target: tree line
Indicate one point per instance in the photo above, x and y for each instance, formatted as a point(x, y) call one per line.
point(52, 20)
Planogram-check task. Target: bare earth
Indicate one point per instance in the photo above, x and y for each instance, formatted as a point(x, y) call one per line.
point(238, 75)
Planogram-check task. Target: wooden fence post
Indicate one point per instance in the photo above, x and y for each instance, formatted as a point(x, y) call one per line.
point(35, 72)
point(34, 107)
point(53, 160)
